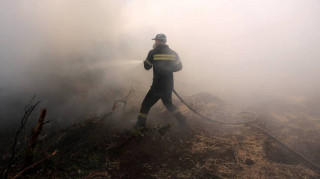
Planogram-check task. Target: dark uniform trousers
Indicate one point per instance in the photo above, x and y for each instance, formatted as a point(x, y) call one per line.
point(153, 96)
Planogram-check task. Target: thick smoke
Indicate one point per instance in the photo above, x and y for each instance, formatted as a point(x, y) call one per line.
point(75, 55)
point(66, 53)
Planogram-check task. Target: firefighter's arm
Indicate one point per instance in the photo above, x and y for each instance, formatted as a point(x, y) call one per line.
point(148, 62)
point(177, 64)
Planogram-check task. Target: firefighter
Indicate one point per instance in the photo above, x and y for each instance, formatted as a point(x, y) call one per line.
point(164, 62)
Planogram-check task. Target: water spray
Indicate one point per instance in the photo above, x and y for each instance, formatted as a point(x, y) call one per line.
point(117, 63)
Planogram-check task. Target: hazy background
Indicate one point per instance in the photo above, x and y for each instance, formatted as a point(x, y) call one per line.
point(79, 56)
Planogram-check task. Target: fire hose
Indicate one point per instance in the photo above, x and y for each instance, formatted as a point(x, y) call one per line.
point(250, 124)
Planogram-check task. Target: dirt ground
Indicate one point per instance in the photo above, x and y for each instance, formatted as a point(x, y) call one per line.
point(110, 149)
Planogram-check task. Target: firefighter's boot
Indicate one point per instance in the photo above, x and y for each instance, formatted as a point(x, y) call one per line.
point(180, 118)
point(141, 123)
point(183, 125)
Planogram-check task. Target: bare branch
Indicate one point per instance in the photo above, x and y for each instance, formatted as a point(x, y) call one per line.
point(28, 110)
point(34, 137)
point(92, 120)
point(35, 164)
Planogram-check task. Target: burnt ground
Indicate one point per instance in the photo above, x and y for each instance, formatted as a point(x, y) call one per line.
point(109, 149)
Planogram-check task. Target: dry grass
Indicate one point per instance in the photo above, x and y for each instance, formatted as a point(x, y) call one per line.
point(240, 154)
point(210, 151)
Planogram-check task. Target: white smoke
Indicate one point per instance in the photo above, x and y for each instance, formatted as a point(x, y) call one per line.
point(243, 51)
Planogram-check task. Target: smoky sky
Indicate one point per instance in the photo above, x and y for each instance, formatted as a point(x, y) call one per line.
point(67, 52)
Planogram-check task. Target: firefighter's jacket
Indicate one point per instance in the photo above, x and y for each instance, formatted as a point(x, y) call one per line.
point(164, 62)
